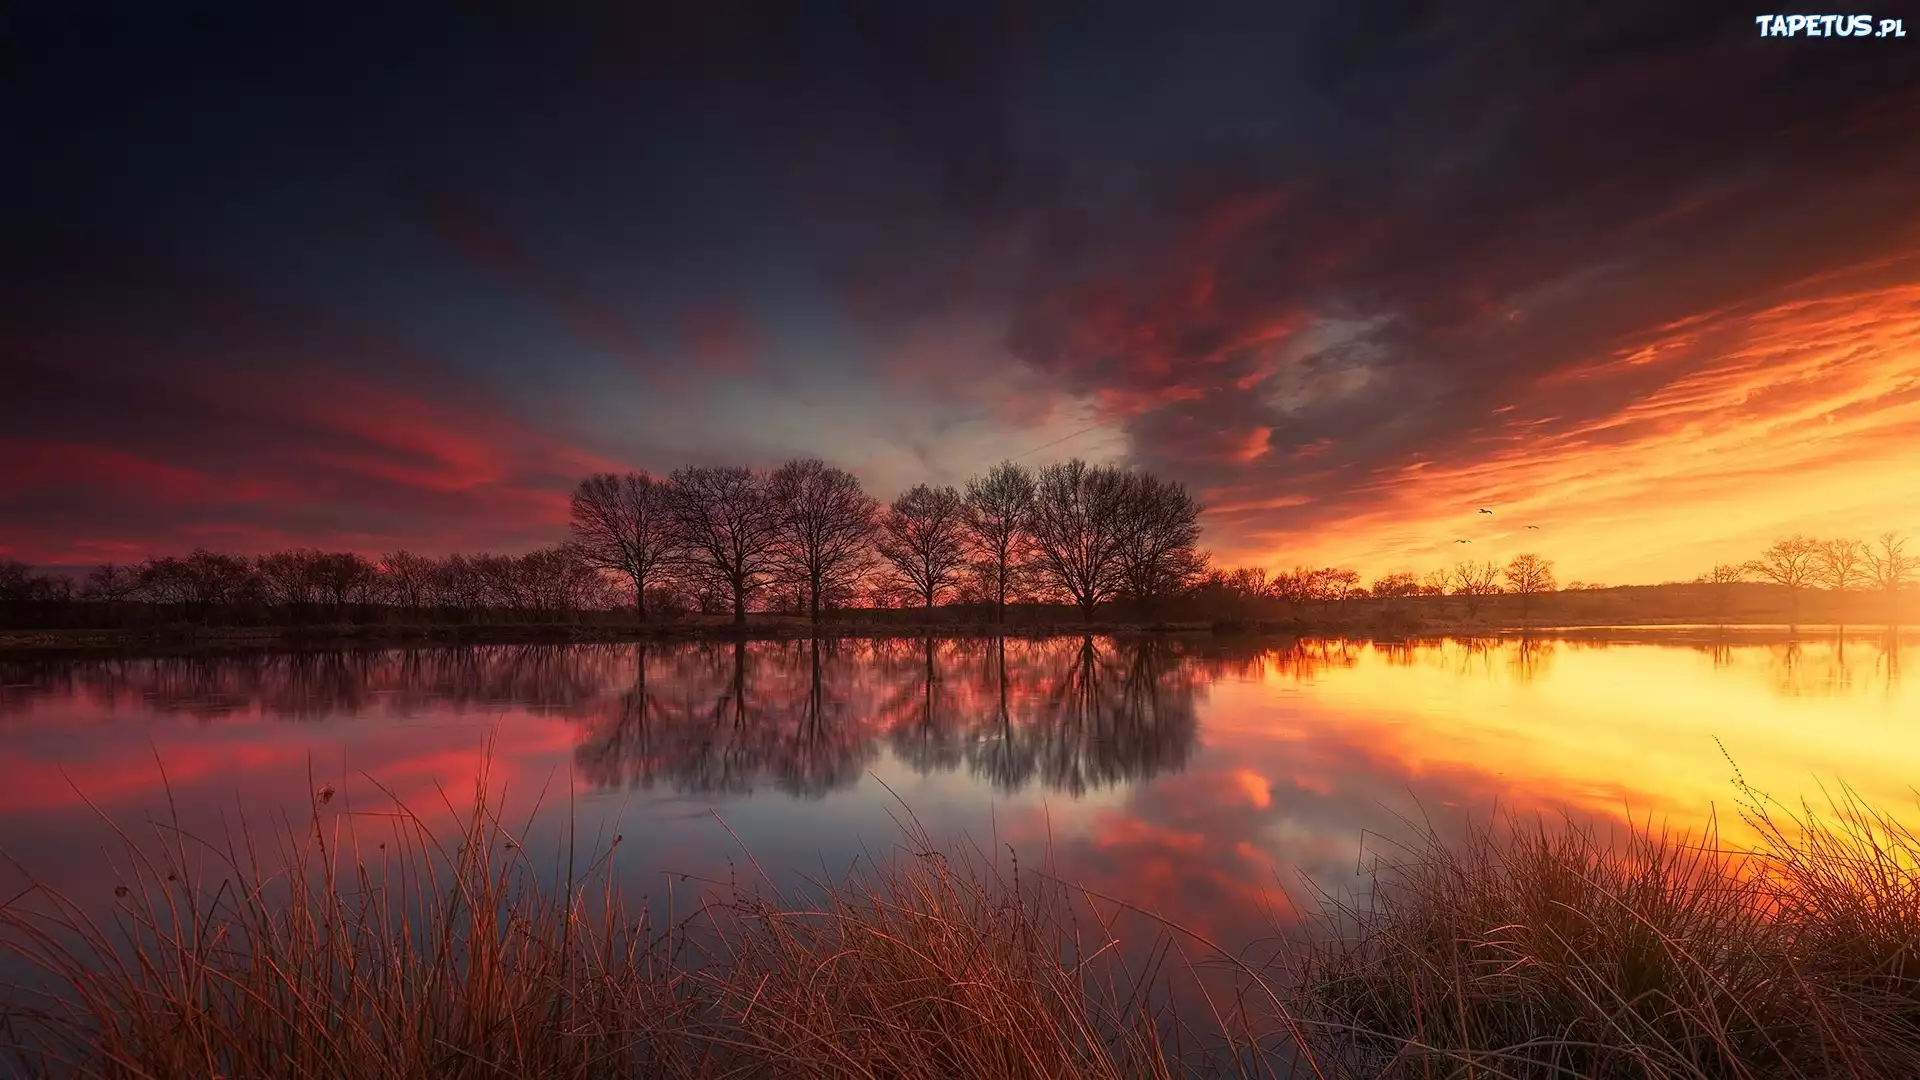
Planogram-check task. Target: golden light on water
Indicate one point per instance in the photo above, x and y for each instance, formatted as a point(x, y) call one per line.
point(1624, 729)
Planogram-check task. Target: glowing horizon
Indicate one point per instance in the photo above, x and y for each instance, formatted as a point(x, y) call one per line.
point(1654, 293)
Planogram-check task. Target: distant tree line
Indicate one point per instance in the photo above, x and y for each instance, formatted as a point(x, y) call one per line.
point(804, 537)
point(304, 585)
point(1331, 588)
point(1798, 563)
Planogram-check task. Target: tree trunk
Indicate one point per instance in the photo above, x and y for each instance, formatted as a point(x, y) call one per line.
point(1086, 609)
point(813, 600)
point(640, 599)
point(739, 605)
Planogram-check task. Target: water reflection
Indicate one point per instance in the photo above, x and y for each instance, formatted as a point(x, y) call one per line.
point(1189, 776)
point(810, 717)
point(806, 717)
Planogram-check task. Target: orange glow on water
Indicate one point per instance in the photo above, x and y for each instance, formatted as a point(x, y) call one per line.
point(1198, 779)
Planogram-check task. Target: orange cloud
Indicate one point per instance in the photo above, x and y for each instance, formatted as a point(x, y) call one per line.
point(1800, 415)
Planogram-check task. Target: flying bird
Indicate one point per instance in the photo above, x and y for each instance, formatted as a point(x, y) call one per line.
point(1463, 541)
point(1484, 510)
point(1533, 526)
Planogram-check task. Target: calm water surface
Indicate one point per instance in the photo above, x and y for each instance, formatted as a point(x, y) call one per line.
point(1195, 778)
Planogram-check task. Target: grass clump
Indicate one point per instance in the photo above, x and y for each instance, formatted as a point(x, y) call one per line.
point(1556, 951)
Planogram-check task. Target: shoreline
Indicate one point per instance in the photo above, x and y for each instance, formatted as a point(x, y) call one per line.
point(785, 628)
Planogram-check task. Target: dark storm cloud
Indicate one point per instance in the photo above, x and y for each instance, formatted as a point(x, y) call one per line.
point(1507, 194)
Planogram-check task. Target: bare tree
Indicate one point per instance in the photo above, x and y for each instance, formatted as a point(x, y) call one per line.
point(1528, 576)
point(922, 537)
point(289, 579)
point(557, 581)
point(111, 583)
point(1890, 567)
point(458, 584)
point(621, 523)
point(1077, 533)
point(343, 578)
point(1249, 581)
point(826, 529)
point(1793, 562)
point(409, 578)
point(1336, 584)
point(730, 526)
point(999, 509)
point(1842, 565)
point(1159, 537)
point(1295, 587)
point(1721, 580)
point(1473, 582)
point(1395, 586)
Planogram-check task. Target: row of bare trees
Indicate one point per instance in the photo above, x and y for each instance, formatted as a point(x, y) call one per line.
point(306, 585)
point(804, 536)
point(808, 534)
point(1525, 576)
point(1842, 564)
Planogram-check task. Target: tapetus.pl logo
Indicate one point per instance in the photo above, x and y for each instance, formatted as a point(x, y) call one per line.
point(1828, 26)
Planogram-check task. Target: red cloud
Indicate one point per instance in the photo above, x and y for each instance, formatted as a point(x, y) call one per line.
point(47, 464)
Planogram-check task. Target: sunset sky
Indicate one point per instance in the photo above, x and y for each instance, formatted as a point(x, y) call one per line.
point(1627, 272)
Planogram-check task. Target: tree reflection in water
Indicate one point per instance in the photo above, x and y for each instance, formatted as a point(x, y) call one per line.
point(811, 717)
point(807, 717)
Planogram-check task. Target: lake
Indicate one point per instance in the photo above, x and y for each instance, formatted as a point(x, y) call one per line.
point(1195, 777)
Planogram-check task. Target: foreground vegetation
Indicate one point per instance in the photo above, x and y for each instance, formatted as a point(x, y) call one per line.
point(1528, 950)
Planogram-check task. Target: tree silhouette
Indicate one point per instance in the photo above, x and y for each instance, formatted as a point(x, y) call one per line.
point(1792, 562)
point(1473, 582)
point(409, 578)
point(1529, 575)
point(1078, 531)
point(621, 522)
point(1159, 535)
point(922, 539)
point(1842, 566)
point(826, 529)
point(999, 509)
point(1720, 581)
point(1395, 586)
point(1890, 567)
point(111, 583)
point(730, 526)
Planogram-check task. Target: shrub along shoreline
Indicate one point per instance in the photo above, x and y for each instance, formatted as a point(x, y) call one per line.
point(1537, 950)
point(1395, 626)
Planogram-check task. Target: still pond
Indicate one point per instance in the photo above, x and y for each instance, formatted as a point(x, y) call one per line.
point(1204, 779)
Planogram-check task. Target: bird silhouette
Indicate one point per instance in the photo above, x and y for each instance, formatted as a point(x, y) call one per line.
point(1533, 526)
point(1484, 510)
point(1463, 541)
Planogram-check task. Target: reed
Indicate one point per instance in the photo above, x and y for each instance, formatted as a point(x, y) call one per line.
point(1554, 949)
point(383, 946)
point(378, 946)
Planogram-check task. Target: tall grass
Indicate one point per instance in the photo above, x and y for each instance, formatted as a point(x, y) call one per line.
point(377, 946)
point(1555, 950)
